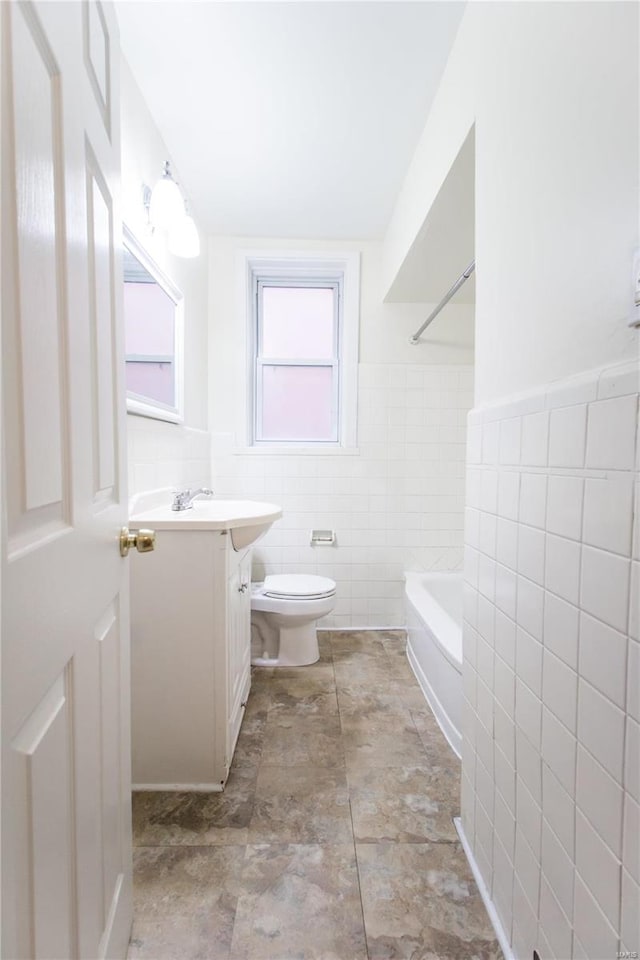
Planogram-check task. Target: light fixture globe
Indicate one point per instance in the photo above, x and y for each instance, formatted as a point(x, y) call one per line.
point(183, 239)
point(166, 205)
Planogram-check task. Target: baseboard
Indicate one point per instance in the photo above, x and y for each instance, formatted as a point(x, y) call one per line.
point(367, 629)
point(496, 923)
point(179, 787)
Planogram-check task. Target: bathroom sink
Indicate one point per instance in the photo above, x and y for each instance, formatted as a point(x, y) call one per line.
point(247, 520)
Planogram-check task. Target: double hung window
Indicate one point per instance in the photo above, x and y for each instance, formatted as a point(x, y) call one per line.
point(297, 361)
point(303, 315)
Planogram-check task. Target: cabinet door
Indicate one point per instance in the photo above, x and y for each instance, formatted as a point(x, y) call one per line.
point(239, 647)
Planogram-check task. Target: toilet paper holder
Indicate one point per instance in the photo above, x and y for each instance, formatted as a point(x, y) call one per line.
point(323, 538)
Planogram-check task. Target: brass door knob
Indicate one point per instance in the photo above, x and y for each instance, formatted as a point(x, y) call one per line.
point(142, 540)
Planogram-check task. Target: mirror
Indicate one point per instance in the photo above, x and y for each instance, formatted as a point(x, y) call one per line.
point(153, 312)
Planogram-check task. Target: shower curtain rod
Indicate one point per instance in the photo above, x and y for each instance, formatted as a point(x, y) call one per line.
point(415, 339)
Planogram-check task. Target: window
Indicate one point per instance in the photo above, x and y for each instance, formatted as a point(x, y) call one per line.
point(303, 354)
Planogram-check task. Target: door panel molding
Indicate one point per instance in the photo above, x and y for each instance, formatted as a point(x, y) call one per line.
point(102, 330)
point(37, 436)
point(43, 750)
point(97, 58)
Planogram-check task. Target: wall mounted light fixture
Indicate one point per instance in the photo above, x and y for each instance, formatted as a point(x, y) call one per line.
point(167, 211)
point(166, 204)
point(183, 239)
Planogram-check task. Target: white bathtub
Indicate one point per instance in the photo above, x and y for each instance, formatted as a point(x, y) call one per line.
point(434, 647)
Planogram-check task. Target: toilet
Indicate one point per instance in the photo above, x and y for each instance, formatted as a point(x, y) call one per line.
point(284, 610)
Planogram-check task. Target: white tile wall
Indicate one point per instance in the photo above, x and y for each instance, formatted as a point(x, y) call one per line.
point(564, 506)
point(557, 867)
point(567, 435)
point(535, 439)
point(560, 629)
point(558, 808)
point(166, 455)
point(630, 919)
point(562, 567)
point(608, 676)
point(631, 837)
point(599, 868)
point(565, 697)
point(554, 923)
point(604, 588)
point(596, 937)
point(611, 433)
point(397, 504)
point(600, 798)
point(608, 513)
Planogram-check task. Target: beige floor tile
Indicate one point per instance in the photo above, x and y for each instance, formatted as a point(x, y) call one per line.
point(292, 740)
point(420, 900)
point(433, 740)
point(302, 697)
point(181, 888)
point(359, 701)
point(250, 741)
point(388, 742)
point(361, 668)
point(347, 744)
point(410, 694)
point(299, 901)
point(347, 645)
point(322, 670)
point(196, 819)
point(179, 938)
point(395, 643)
point(303, 804)
point(403, 804)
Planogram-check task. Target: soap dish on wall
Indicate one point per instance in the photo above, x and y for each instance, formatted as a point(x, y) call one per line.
point(323, 538)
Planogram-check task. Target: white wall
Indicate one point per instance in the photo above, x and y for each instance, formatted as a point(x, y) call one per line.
point(550, 757)
point(553, 92)
point(164, 454)
point(395, 503)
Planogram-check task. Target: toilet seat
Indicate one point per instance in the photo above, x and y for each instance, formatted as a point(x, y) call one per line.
point(297, 587)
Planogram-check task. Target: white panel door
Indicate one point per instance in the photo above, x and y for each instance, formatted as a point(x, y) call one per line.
point(66, 834)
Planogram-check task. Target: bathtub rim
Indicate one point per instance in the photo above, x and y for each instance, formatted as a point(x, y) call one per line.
point(441, 621)
point(452, 735)
point(428, 607)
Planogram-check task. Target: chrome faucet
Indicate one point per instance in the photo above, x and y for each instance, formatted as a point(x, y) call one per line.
point(183, 499)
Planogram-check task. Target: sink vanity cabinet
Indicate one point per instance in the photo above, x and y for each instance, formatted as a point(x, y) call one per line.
point(238, 605)
point(190, 646)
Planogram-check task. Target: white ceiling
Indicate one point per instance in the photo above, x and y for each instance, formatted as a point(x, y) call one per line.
point(290, 119)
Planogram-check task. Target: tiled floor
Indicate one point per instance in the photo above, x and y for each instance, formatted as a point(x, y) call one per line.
point(333, 839)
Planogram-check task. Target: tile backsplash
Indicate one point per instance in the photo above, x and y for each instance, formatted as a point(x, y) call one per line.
point(396, 503)
point(550, 788)
point(166, 455)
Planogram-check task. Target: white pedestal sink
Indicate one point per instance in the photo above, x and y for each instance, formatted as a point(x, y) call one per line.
point(246, 520)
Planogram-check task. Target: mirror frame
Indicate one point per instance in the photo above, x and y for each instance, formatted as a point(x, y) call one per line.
point(136, 403)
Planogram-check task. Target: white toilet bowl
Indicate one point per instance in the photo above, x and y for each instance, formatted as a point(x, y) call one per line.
point(284, 610)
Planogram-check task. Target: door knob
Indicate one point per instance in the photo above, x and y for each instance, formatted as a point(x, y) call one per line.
point(142, 540)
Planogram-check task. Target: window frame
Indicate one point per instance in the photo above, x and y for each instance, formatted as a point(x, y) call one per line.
point(313, 270)
point(315, 283)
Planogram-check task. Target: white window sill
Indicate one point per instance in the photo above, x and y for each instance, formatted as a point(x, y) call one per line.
point(301, 451)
